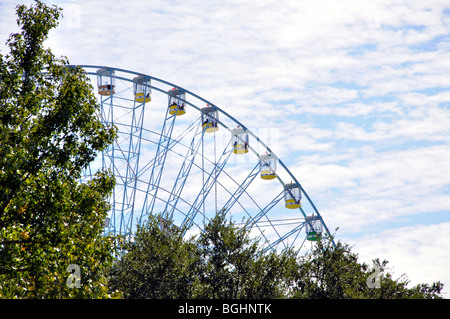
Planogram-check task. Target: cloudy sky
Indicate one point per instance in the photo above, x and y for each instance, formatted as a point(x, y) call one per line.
point(357, 90)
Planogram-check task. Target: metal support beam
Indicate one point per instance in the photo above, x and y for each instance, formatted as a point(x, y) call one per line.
point(207, 185)
point(158, 165)
point(241, 189)
point(183, 173)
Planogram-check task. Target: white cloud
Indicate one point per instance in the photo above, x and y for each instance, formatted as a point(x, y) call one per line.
point(420, 252)
point(361, 188)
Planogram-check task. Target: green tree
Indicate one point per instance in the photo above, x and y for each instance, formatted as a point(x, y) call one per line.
point(233, 265)
point(334, 273)
point(50, 130)
point(223, 262)
point(158, 263)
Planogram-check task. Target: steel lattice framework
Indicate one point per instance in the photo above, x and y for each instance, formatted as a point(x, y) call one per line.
point(180, 155)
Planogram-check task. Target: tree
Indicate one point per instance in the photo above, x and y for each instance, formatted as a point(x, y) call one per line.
point(233, 265)
point(335, 273)
point(50, 130)
point(158, 263)
point(223, 262)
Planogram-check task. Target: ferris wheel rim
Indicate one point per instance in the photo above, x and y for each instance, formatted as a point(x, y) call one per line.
point(227, 115)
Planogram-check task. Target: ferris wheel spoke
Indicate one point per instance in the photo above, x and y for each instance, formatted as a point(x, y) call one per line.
point(123, 159)
point(165, 148)
point(283, 238)
point(207, 185)
point(172, 159)
point(263, 212)
point(158, 163)
point(175, 209)
point(241, 189)
point(183, 173)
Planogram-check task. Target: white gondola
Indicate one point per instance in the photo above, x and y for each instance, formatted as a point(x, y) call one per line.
point(106, 82)
point(267, 166)
point(177, 100)
point(292, 196)
point(142, 89)
point(239, 140)
point(210, 118)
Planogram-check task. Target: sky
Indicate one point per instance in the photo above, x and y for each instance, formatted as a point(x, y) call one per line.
point(357, 91)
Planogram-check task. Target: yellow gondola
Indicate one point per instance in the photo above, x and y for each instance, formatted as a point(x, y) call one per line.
point(210, 118)
point(292, 196)
point(267, 166)
point(239, 140)
point(177, 99)
point(142, 89)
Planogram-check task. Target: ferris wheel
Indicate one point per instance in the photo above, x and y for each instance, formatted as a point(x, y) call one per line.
point(182, 157)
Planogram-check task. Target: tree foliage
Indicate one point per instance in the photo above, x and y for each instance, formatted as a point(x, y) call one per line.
point(233, 265)
point(335, 273)
point(222, 263)
point(157, 263)
point(225, 262)
point(50, 131)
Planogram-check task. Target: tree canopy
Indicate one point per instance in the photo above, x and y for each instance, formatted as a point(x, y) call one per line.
point(157, 263)
point(50, 130)
point(335, 273)
point(225, 262)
